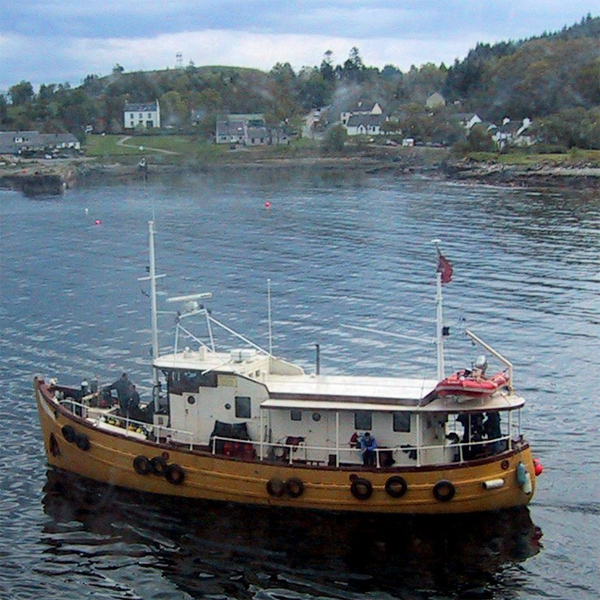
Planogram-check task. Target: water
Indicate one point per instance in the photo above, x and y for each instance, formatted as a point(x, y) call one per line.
point(351, 250)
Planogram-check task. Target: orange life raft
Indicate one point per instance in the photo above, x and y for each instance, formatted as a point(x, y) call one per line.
point(465, 383)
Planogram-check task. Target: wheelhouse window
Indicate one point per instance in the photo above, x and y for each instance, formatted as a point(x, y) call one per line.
point(296, 414)
point(402, 422)
point(242, 407)
point(181, 382)
point(363, 420)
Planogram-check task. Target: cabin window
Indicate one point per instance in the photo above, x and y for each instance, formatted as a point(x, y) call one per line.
point(296, 414)
point(402, 422)
point(242, 407)
point(181, 382)
point(363, 420)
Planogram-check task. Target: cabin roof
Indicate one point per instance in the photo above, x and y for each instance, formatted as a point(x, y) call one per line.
point(332, 389)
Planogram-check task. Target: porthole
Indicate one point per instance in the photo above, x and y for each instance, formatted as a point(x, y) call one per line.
point(191, 400)
point(228, 406)
point(316, 417)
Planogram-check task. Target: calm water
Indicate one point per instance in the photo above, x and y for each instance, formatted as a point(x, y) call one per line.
point(338, 251)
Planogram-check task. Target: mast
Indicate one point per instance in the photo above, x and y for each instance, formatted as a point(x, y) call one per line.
point(439, 327)
point(152, 277)
point(443, 275)
point(153, 310)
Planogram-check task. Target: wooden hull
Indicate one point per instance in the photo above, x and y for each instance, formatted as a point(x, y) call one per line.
point(109, 458)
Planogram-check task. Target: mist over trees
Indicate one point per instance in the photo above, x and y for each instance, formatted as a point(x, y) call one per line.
point(553, 79)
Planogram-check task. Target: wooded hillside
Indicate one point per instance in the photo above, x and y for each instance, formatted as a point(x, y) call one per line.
point(547, 78)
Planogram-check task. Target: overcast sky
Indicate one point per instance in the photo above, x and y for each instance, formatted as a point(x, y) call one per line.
point(58, 41)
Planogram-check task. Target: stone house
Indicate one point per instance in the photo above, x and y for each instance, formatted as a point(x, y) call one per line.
point(248, 130)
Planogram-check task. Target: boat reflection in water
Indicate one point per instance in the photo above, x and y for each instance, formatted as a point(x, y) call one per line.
point(206, 548)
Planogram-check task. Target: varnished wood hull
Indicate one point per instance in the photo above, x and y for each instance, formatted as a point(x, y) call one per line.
point(110, 459)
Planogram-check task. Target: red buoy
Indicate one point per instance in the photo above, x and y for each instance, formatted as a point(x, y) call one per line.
point(538, 468)
point(267, 204)
point(97, 222)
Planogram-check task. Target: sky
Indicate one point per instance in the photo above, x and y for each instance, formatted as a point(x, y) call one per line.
point(59, 41)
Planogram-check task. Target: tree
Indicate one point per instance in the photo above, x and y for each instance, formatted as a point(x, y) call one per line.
point(326, 67)
point(174, 109)
point(21, 93)
point(480, 139)
point(335, 138)
point(353, 67)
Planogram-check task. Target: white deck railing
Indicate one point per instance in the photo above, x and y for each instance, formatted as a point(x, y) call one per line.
point(298, 453)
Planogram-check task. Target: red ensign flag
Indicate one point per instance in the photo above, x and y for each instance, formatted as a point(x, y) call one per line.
point(445, 268)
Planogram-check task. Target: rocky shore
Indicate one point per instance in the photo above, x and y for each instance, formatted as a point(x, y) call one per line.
point(39, 177)
point(579, 175)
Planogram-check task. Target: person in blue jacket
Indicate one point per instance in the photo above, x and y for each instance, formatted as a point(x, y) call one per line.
point(368, 446)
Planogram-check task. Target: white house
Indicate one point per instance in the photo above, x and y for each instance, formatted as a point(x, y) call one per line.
point(145, 114)
point(467, 120)
point(361, 108)
point(364, 124)
point(513, 133)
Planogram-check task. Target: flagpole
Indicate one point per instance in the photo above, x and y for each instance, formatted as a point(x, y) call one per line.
point(440, 328)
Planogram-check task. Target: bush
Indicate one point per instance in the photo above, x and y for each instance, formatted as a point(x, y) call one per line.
point(334, 139)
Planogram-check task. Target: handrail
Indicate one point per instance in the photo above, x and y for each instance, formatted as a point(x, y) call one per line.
point(127, 421)
point(172, 433)
point(338, 452)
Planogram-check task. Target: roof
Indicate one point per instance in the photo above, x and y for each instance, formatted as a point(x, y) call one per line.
point(351, 390)
point(366, 120)
point(140, 107)
point(362, 106)
point(230, 128)
point(257, 132)
point(31, 140)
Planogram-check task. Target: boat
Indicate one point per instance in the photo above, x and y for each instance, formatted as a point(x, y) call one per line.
point(243, 425)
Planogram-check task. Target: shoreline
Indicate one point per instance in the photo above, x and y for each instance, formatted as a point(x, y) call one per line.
point(38, 176)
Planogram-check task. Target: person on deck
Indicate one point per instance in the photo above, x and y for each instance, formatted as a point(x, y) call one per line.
point(368, 446)
point(124, 388)
point(491, 427)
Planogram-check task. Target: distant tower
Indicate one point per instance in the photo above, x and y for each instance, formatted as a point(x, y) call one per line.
point(179, 60)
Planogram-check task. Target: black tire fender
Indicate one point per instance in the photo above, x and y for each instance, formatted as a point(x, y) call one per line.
point(276, 487)
point(396, 486)
point(174, 474)
point(82, 442)
point(158, 465)
point(294, 487)
point(361, 488)
point(69, 433)
point(142, 465)
point(444, 490)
